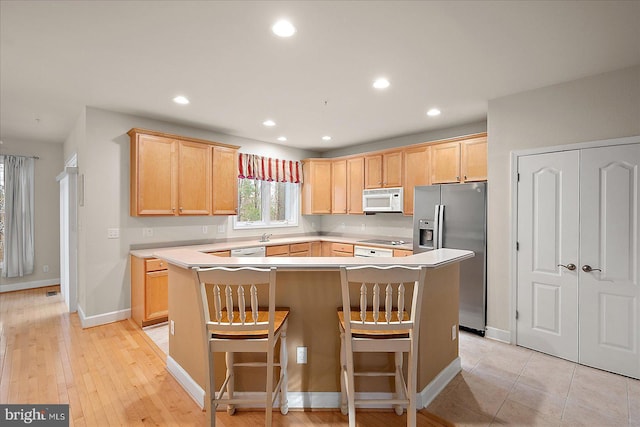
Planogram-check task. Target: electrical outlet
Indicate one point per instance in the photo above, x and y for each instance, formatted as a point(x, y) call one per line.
point(205, 229)
point(172, 327)
point(342, 226)
point(301, 355)
point(147, 232)
point(45, 268)
point(454, 333)
point(313, 225)
point(221, 228)
point(363, 227)
point(113, 233)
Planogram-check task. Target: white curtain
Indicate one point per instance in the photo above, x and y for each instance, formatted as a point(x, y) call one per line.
point(18, 224)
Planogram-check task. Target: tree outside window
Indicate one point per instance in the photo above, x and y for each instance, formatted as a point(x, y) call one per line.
point(264, 204)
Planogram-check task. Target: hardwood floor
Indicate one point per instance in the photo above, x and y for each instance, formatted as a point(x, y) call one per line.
point(114, 374)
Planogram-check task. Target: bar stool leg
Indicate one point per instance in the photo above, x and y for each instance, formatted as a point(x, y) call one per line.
point(210, 405)
point(231, 409)
point(399, 392)
point(269, 388)
point(343, 363)
point(284, 362)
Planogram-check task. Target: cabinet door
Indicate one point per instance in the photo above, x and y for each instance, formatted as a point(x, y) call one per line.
point(402, 252)
point(355, 185)
point(316, 190)
point(416, 172)
point(278, 250)
point(373, 171)
point(225, 181)
point(392, 169)
point(474, 159)
point(153, 178)
point(339, 186)
point(445, 163)
point(156, 294)
point(194, 183)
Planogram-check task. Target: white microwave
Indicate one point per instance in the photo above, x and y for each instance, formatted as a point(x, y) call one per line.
point(382, 200)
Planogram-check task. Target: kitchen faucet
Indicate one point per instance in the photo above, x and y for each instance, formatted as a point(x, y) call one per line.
point(265, 237)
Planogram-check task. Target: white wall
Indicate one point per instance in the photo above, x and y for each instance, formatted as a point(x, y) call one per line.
point(593, 108)
point(103, 160)
point(47, 213)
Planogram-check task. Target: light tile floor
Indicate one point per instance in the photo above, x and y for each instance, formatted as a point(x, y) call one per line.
point(501, 384)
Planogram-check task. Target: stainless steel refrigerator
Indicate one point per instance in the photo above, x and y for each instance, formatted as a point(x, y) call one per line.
point(455, 216)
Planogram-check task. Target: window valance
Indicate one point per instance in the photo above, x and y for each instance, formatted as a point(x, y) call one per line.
point(252, 166)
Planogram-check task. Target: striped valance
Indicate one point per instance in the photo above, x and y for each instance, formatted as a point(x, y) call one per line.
point(252, 166)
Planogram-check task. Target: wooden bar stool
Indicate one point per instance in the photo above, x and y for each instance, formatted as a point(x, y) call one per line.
point(383, 324)
point(230, 327)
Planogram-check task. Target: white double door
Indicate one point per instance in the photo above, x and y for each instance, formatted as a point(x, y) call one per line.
point(578, 295)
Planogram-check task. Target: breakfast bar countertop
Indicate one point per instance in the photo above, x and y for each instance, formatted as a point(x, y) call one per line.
point(191, 257)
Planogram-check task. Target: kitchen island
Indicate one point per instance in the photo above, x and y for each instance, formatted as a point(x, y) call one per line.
point(311, 288)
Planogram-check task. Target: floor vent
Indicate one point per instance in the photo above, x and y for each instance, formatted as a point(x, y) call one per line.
point(52, 293)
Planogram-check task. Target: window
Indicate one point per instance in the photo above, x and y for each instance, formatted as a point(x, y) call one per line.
point(263, 204)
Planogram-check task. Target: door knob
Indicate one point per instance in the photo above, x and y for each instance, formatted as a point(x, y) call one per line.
point(587, 268)
point(569, 267)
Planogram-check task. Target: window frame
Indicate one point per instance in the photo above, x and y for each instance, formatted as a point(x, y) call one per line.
point(292, 208)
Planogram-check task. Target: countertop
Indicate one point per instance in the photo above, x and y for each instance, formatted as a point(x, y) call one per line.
point(225, 246)
point(189, 258)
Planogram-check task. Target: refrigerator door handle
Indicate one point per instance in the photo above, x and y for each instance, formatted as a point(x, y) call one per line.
point(436, 222)
point(440, 224)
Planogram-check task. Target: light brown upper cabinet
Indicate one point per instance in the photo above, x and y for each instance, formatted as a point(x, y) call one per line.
point(473, 160)
point(194, 182)
point(383, 170)
point(355, 185)
point(459, 161)
point(339, 186)
point(225, 181)
point(172, 175)
point(416, 172)
point(316, 189)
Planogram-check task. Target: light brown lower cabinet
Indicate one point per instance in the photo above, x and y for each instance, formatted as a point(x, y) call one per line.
point(402, 252)
point(220, 253)
point(149, 291)
point(278, 250)
point(337, 249)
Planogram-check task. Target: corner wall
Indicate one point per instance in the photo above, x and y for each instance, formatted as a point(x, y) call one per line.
point(594, 108)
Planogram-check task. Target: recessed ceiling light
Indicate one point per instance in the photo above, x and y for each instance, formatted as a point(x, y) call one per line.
point(326, 138)
point(283, 28)
point(282, 138)
point(381, 83)
point(433, 112)
point(181, 100)
point(269, 123)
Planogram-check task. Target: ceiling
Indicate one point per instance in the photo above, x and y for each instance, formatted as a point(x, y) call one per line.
point(58, 56)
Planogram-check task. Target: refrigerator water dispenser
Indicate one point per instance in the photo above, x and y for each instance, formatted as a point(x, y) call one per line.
point(426, 233)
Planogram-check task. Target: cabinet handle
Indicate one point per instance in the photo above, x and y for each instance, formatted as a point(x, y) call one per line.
point(180, 208)
point(465, 177)
point(457, 178)
point(173, 210)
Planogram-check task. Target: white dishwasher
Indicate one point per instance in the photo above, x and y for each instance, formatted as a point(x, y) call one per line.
point(255, 251)
point(369, 252)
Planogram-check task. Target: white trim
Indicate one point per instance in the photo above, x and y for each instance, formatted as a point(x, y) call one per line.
point(511, 335)
point(433, 389)
point(498, 335)
point(192, 388)
point(316, 400)
point(29, 285)
point(102, 319)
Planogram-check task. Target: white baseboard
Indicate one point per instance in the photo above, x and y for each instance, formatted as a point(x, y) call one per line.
point(29, 285)
point(102, 319)
point(498, 335)
point(192, 388)
point(325, 400)
point(431, 391)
